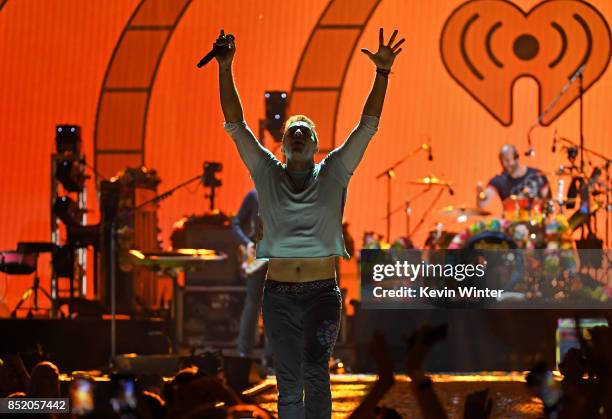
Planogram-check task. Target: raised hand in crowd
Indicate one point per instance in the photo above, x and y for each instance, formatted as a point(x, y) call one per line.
point(477, 405)
point(419, 345)
point(13, 375)
point(380, 352)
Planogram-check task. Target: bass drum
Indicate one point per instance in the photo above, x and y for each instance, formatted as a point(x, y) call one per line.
point(501, 255)
point(491, 240)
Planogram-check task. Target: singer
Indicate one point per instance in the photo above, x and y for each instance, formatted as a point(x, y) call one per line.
point(301, 206)
point(515, 179)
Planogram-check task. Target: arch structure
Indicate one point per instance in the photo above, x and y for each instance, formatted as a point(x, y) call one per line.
point(321, 72)
point(121, 118)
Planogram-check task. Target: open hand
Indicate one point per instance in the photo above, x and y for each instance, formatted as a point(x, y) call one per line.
point(386, 53)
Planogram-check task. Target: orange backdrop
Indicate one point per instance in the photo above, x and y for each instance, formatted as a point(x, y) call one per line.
point(54, 55)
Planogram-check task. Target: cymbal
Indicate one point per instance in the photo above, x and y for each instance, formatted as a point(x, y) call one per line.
point(430, 181)
point(464, 211)
point(181, 259)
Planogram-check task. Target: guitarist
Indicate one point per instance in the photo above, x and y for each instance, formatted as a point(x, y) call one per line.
point(244, 228)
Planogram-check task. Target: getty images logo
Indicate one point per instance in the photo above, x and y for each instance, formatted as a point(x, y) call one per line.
point(486, 45)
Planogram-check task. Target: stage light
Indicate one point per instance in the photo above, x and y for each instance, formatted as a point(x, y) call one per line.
point(70, 173)
point(68, 139)
point(276, 108)
point(211, 168)
point(66, 210)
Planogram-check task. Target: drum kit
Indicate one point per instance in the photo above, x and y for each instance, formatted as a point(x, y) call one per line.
point(532, 220)
point(539, 226)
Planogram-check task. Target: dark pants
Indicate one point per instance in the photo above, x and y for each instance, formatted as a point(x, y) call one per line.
point(302, 325)
point(250, 311)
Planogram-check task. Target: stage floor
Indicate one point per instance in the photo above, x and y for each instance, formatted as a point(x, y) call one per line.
point(508, 391)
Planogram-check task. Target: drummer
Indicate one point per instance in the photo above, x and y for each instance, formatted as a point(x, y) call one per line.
point(516, 179)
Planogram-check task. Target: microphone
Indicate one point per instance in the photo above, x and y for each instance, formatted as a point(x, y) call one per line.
point(554, 145)
point(219, 45)
point(530, 152)
point(427, 146)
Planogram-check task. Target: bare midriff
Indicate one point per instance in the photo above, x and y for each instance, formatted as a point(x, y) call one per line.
point(301, 269)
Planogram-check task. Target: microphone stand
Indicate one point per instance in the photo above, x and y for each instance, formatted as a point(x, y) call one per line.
point(113, 257)
point(407, 207)
point(428, 210)
point(586, 149)
point(389, 173)
point(608, 162)
point(577, 75)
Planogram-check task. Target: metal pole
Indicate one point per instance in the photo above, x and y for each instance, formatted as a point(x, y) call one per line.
point(607, 212)
point(389, 176)
point(113, 337)
point(581, 91)
point(408, 210)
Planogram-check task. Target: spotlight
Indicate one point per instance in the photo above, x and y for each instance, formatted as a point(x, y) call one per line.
point(68, 139)
point(70, 173)
point(276, 108)
point(66, 210)
point(211, 168)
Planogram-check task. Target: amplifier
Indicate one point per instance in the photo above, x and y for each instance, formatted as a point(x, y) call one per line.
point(210, 315)
point(209, 231)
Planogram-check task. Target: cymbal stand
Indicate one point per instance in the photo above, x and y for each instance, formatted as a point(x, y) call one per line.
point(407, 207)
point(427, 211)
point(32, 293)
point(389, 173)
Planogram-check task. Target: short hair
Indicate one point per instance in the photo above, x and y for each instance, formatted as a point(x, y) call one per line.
point(44, 380)
point(508, 148)
point(301, 118)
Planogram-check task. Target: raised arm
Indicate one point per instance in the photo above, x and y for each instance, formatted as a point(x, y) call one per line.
point(252, 153)
point(383, 59)
point(230, 101)
point(484, 194)
point(353, 148)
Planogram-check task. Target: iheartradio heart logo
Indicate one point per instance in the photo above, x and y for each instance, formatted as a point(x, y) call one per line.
point(487, 45)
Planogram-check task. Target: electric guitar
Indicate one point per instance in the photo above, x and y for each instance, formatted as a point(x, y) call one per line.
point(249, 264)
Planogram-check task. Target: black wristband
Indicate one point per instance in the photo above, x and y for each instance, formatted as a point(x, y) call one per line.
point(383, 72)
